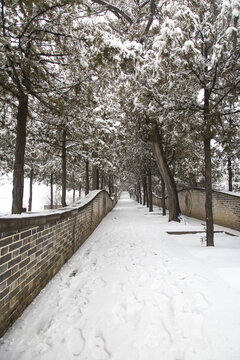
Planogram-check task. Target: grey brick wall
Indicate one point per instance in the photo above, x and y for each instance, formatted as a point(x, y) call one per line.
point(33, 249)
point(226, 207)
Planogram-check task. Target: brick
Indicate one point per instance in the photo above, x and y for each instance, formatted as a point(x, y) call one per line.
point(40, 228)
point(16, 245)
point(4, 293)
point(7, 234)
point(14, 262)
point(3, 268)
point(5, 275)
point(4, 250)
point(24, 256)
point(25, 234)
point(6, 241)
point(5, 258)
point(3, 286)
point(16, 237)
point(24, 248)
point(40, 240)
point(31, 251)
point(12, 294)
point(13, 278)
point(16, 253)
point(23, 263)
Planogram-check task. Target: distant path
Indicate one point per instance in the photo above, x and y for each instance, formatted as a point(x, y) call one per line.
point(131, 292)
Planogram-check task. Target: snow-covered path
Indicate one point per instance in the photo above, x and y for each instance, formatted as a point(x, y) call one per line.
point(134, 292)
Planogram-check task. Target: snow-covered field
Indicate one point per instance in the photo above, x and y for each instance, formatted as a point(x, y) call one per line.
point(134, 292)
point(41, 195)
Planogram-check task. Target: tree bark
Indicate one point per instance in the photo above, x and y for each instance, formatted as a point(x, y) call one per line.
point(87, 178)
point(208, 169)
point(208, 189)
point(79, 190)
point(163, 196)
point(150, 191)
point(174, 209)
point(144, 190)
point(95, 178)
point(74, 194)
point(64, 167)
point(139, 192)
point(30, 191)
point(110, 186)
point(136, 193)
point(230, 174)
point(51, 191)
point(102, 182)
point(18, 172)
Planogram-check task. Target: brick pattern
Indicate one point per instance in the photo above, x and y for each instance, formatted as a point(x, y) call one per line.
point(31, 257)
point(226, 207)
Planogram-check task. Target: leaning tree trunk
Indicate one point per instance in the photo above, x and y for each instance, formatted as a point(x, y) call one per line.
point(163, 197)
point(64, 167)
point(30, 191)
point(174, 209)
point(18, 172)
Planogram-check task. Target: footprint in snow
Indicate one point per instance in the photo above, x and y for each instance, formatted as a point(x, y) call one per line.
point(88, 252)
point(98, 349)
point(76, 341)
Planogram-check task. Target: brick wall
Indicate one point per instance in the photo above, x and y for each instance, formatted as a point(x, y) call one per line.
point(34, 247)
point(226, 207)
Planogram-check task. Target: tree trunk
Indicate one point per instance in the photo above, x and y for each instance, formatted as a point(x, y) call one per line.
point(30, 191)
point(79, 190)
point(110, 186)
point(136, 193)
point(174, 209)
point(163, 196)
point(144, 190)
point(64, 167)
point(139, 192)
point(102, 182)
point(18, 172)
point(150, 191)
point(230, 174)
point(147, 195)
point(208, 169)
point(98, 178)
point(74, 194)
point(51, 191)
point(87, 178)
point(95, 178)
point(208, 189)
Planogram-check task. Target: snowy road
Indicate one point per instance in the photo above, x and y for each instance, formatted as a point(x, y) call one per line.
point(134, 292)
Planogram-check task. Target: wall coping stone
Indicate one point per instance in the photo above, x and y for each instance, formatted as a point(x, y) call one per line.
point(26, 220)
point(203, 189)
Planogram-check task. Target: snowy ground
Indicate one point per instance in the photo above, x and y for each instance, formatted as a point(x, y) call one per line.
point(135, 292)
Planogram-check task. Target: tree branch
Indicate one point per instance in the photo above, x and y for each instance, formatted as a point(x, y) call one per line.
point(114, 9)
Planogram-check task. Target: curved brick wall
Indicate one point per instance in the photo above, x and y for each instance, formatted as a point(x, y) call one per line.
point(34, 247)
point(226, 207)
